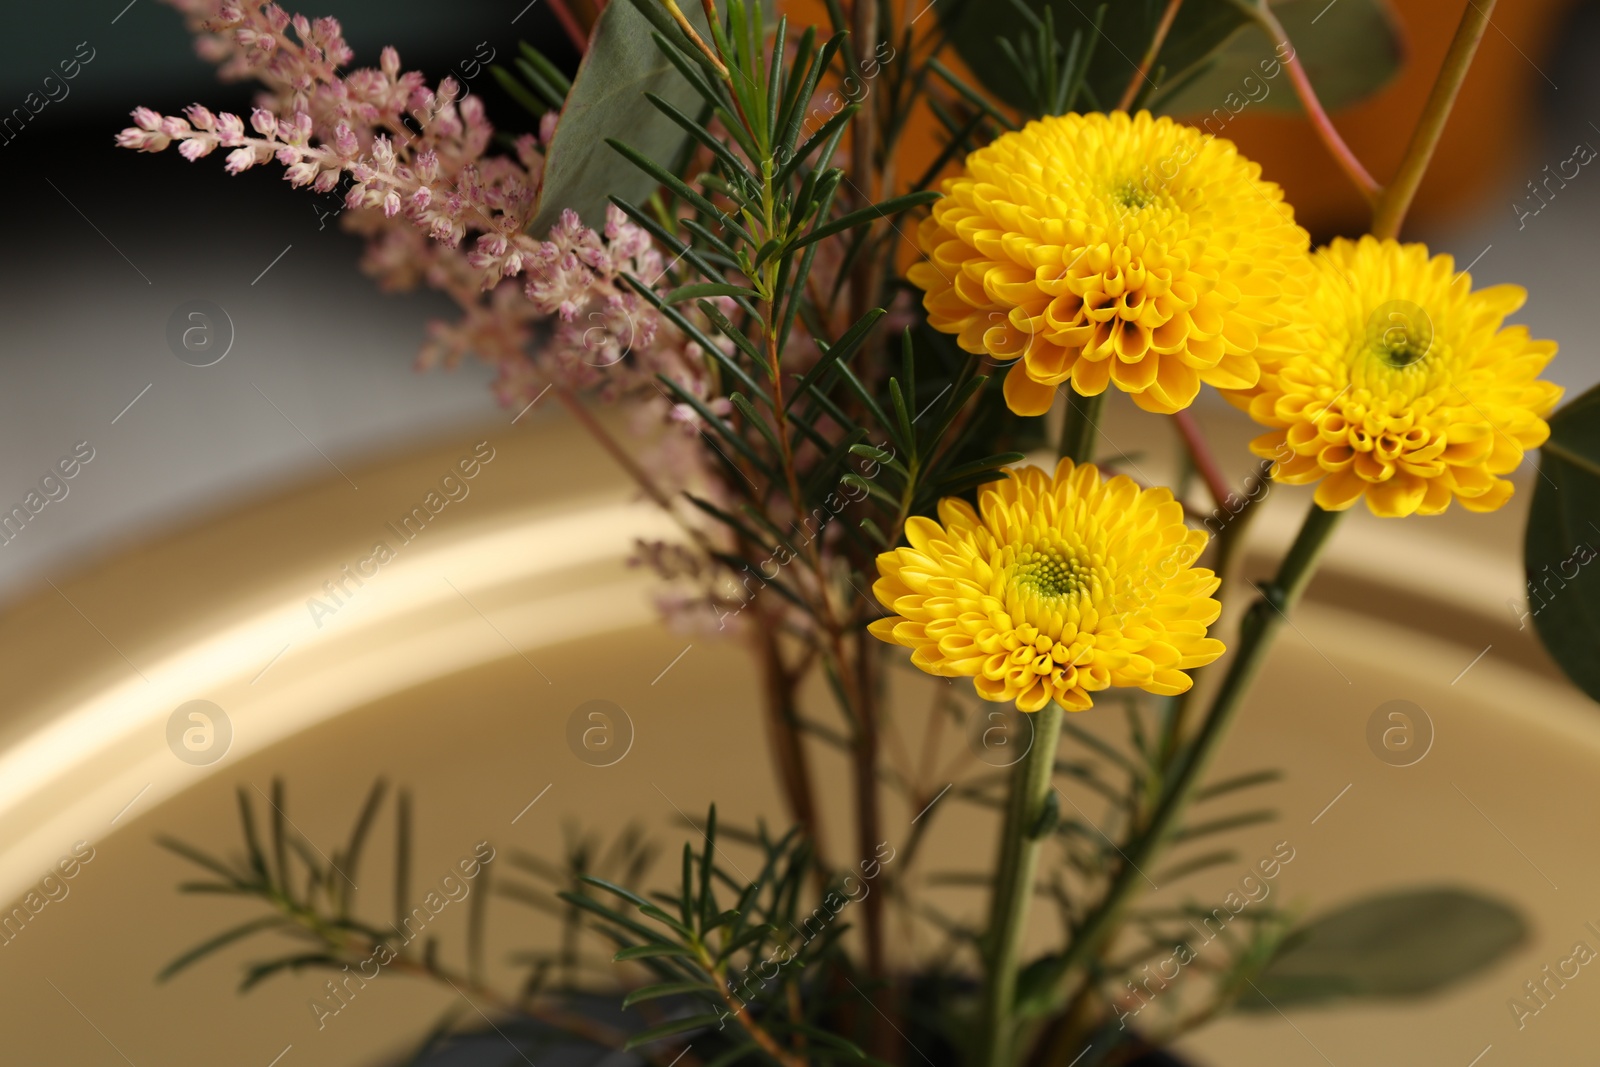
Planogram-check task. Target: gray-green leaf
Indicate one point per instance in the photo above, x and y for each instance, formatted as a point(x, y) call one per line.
point(1350, 50)
point(607, 101)
point(1401, 944)
point(1562, 540)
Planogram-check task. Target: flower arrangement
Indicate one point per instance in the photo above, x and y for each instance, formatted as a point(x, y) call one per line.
point(698, 228)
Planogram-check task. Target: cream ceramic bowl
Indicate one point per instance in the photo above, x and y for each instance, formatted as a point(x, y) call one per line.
point(455, 666)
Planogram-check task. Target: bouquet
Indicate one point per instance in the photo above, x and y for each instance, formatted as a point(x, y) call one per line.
point(860, 282)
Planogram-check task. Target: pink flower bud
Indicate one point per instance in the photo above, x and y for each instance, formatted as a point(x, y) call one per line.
point(139, 140)
point(146, 119)
point(230, 128)
point(200, 118)
point(389, 61)
point(615, 220)
point(303, 173)
point(446, 231)
point(264, 122)
point(391, 204)
point(195, 147)
point(240, 160)
point(344, 140)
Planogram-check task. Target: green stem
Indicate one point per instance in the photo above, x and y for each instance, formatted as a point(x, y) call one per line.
point(1020, 839)
point(1013, 891)
point(1230, 548)
point(1081, 426)
point(1395, 201)
point(1257, 630)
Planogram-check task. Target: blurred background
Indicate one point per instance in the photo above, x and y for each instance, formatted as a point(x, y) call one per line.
point(217, 495)
point(136, 236)
point(106, 243)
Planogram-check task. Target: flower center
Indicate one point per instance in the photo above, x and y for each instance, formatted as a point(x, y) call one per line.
point(1052, 572)
point(1399, 334)
point(1133, 195)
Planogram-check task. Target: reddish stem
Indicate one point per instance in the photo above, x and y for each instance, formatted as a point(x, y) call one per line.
point(788, 745)
point(569, 23)
point(624, 459)
point(1320, 121)
point(863, 296)
point(1205, 463)
point(1148, 63)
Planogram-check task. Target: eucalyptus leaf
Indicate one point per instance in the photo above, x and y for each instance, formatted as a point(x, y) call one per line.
point(975, 28)
point(1399, 944)
point(607, 101)
point(1349, 49)
point(1563, 536)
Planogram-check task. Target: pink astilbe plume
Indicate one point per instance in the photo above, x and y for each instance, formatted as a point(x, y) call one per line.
point(436, 209)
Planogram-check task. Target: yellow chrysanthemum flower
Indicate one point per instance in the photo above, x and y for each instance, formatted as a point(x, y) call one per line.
point(1409, 393)
point(1107, 249)
point(1063, 587)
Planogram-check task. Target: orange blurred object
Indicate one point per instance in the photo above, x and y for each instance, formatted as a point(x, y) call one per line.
point(1485, 129)
point(1490, 120)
